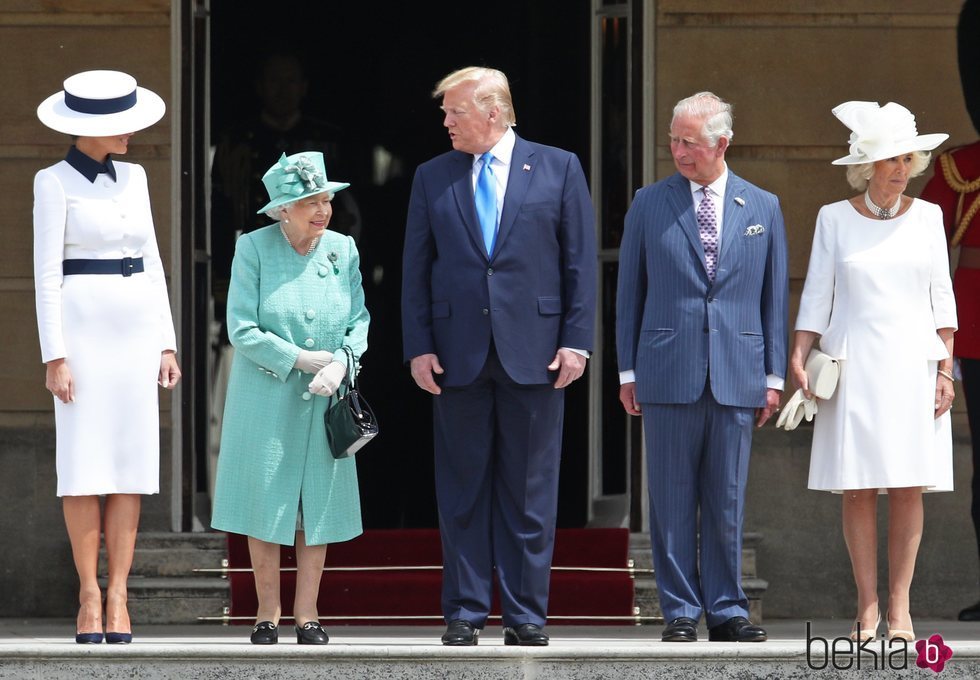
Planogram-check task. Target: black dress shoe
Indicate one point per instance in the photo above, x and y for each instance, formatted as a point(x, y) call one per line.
point(681, 629)
point(265, 633)
point(527, 634)
point(460, 633)
point(971, 613)
point(311, 633)
point(737, 629)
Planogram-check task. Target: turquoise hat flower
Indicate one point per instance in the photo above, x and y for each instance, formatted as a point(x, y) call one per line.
point(298, 176)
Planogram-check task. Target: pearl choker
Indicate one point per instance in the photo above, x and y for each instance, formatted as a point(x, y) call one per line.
point(285, 236)
point(882, 213)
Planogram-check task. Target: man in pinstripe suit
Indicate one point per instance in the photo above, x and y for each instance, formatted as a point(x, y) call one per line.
point(701, 335)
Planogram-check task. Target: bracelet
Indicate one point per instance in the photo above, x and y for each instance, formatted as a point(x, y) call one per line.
point(945, 374)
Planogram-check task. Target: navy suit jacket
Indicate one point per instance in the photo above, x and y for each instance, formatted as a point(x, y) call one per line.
point(537, 291)
point(675, 328)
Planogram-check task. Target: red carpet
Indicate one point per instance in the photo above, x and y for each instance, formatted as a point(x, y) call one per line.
point(367, 596)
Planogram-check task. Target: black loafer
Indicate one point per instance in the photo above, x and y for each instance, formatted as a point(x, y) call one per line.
point(460, 633)
point(527, 634)
point(265, 633)
point(971, 613)
point(681, 629)
point(737, 629)
point(311, 633)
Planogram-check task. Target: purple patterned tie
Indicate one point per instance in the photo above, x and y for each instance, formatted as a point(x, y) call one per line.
point(708, 229)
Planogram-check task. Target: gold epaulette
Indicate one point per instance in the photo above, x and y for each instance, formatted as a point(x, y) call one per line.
point(962, 187)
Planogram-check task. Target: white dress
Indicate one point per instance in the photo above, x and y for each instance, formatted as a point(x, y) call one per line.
point(876, 291)
point(110, 329)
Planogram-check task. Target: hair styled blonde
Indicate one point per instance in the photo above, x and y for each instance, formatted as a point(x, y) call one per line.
point(492, 89)
point(859, 175)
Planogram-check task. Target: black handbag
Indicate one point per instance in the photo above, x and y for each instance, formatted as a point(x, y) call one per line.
point(349, 420)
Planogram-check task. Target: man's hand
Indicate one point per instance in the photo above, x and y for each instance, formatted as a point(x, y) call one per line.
point(627, 397)
point(570, 366)
point(773, 398)
point(423, 367)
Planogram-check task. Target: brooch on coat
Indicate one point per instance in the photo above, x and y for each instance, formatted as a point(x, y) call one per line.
point(754, 230)
point(332, 256)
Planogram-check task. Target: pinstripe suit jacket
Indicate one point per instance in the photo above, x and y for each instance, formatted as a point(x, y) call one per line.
point(675, 328)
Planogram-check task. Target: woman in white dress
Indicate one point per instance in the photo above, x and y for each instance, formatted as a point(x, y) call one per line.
point(878, 297)
point(107, 337)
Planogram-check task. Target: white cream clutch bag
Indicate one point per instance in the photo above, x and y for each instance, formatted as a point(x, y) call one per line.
point(822, 373)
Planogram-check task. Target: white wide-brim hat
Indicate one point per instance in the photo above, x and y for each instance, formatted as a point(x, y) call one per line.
point(101, 104)
point(880, 132)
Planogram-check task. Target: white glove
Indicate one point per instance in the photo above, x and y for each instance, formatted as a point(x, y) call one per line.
point(797, 408)
point(313, 362)
point(328, 379)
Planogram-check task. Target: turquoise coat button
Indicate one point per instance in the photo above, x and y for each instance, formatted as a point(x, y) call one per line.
point(307, 396)
point(309, 342)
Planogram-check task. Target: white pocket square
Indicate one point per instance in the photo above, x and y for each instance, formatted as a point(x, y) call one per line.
point(754, 230)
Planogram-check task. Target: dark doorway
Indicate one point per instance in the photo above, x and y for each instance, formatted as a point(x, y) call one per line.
point(371, 68)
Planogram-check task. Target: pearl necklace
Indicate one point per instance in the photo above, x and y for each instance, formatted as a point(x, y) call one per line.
point(882, 213)
point(282, 230)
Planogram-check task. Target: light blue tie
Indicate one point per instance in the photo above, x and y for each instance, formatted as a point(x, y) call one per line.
point(486, 202)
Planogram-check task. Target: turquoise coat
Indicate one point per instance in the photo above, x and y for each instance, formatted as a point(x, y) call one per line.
point(274, 451)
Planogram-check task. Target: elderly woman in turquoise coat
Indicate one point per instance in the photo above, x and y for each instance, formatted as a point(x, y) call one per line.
point(294, 300)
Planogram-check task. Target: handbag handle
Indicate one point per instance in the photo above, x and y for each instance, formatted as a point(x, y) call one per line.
point(350, 375)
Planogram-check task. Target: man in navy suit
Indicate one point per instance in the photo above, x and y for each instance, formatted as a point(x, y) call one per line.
point(498, 309)
point(701, 335)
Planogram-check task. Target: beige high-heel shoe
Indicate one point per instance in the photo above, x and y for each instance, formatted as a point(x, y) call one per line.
point(901, 633)
point(866, 634)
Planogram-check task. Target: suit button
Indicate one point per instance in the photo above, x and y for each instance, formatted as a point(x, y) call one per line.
point(485, 311)
point(309, 342)
point(310, 314)
point(307, 396)
point(490, 271)
point(705, 330)
point(710, 299)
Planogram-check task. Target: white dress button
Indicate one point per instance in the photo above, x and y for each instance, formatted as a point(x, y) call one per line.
point(322, 271)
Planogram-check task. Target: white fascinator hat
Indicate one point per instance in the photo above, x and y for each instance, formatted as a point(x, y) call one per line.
point(879, 132)
point(101, 104)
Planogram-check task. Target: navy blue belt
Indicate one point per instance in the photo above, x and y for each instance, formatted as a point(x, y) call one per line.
point(126, 266)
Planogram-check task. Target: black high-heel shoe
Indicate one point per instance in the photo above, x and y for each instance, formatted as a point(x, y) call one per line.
point(88, 638)
point(118, 638)
point(265, 633)
point(311, 633)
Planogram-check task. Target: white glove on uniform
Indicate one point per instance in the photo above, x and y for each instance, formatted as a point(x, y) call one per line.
point(328, 379)
point(312, 362)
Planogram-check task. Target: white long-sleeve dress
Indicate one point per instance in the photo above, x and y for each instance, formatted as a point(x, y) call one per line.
point(110, 329)
point(876, 291)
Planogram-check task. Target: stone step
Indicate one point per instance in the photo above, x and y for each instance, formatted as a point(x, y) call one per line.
point(176, 600)
point(173, 555)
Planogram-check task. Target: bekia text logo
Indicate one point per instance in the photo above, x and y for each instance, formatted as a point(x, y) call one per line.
point(933, 653)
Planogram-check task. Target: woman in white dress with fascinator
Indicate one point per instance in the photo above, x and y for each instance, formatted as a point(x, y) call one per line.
point(878, 297)
point(107, 337)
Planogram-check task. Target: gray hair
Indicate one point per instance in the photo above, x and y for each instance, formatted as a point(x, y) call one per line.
point(275, 213)
point(859, 175)
point(715, 111)
point(492, 89)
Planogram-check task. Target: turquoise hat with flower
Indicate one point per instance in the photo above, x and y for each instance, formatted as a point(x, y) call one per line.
point(298, 176)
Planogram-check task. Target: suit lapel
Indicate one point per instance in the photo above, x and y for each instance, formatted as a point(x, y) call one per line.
point(521, 170)
point(734, 219)
point(461, 170)
point(682, 203)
